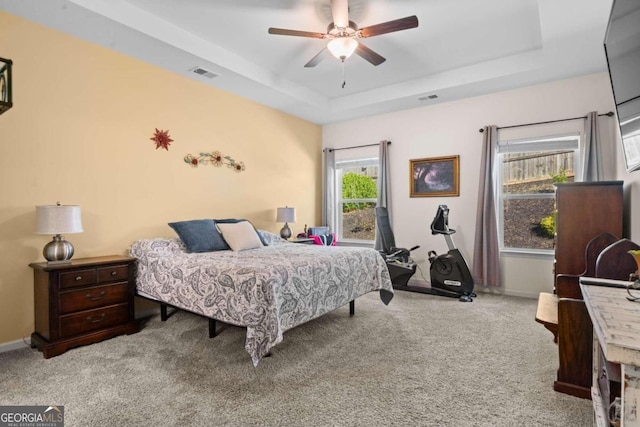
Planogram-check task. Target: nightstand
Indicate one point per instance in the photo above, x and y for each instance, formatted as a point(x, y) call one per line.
point(304, 240)
point(82, 302)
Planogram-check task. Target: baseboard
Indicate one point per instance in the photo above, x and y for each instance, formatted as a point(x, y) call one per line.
point(506, 291)
point(15, 345)
point(487, 289)
point(521, 294)
point(418, 282)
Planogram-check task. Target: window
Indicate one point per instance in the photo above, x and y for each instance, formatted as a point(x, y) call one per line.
point(356, 193)
point(527, 170)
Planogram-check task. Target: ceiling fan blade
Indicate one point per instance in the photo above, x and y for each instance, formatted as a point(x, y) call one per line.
point(340, 13)
point(316, 59)
point(297, 33)
point(369, 55)
point(390, 27)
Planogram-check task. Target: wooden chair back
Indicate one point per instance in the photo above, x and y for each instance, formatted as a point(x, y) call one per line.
point(568, 285)
point(615, 262)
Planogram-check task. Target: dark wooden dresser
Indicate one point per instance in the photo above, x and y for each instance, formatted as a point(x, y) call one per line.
point(584, 211)
point(82, 302)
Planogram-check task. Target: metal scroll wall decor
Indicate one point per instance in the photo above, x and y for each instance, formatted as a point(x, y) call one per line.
point(5, 85)
point(214, 158)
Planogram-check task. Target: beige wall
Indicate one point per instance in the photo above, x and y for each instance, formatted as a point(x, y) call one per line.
point(452, 128)
point(79, 133)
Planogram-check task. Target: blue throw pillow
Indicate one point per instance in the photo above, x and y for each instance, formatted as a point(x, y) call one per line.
point(199, 235)
point(234, 220)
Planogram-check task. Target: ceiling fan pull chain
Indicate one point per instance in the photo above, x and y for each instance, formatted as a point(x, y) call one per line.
point(344, 81)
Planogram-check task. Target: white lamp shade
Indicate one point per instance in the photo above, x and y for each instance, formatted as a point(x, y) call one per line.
point(58, 219)
point(342, 47)
point(286, 215)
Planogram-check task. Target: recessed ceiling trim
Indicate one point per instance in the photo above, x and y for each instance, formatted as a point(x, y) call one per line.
point(476, 73)
point(551, 48)
point(157, 28)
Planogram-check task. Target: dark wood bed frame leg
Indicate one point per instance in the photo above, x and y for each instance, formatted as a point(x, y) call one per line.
point(352, 308)
point(163, 312)
point(212, 328)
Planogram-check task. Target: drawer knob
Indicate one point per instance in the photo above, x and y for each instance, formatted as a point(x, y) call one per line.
point(99, 297)
point(78, 278)
point(97, 319)
point(113, 273)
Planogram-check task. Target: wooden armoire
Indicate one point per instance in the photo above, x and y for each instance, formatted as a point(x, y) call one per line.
point(584, 210)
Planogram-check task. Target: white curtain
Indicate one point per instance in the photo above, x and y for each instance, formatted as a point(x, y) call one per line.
point(486, 252)
point(328, 190)
point(384, 186)
point(591, 151)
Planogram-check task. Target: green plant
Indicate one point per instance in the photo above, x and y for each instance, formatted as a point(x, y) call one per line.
point(356, 186)
point(561, 176)
point(548, 224)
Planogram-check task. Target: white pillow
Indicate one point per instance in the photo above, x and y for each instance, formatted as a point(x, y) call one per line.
point(240, 236)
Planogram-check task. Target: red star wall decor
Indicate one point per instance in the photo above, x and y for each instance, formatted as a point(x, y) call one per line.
point(162, 139)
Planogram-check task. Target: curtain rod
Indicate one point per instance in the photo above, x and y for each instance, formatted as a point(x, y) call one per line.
point(609, 114)
point(357, 146)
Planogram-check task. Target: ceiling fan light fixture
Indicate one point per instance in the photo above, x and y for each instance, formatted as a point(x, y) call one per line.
point(342, 47)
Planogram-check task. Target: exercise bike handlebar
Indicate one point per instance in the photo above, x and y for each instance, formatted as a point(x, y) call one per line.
point(398, 251)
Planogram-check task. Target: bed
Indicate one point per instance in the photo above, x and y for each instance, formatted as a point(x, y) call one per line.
point(268, 290)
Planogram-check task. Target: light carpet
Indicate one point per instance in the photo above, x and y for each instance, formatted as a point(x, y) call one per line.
point(421, 361)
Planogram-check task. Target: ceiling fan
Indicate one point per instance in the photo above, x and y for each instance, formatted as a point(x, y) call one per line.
point(343, 35)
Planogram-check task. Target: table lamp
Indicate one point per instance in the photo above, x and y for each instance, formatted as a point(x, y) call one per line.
point(58, 219)
point(286, 215)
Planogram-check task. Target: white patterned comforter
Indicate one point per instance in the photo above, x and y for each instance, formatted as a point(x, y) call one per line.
point(267, 290)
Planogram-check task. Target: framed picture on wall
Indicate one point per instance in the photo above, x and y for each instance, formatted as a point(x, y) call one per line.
point(435, 177)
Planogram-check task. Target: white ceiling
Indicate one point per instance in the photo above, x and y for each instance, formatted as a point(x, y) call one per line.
point(461, 48)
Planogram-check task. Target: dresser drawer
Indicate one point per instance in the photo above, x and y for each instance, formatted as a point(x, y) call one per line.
point(75, 278)
point(114, 272)
point(93, 297)
point(89, 320)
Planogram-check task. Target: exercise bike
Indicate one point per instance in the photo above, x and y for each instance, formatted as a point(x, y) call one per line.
point(450, 275)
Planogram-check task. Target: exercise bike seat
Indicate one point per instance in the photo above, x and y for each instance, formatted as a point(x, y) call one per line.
point(401, 266)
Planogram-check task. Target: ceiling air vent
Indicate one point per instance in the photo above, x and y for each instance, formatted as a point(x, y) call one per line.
point(205, 73)
point(424, 98)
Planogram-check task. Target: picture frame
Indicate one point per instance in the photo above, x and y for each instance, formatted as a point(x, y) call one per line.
point(5, 85)
point(435, 176)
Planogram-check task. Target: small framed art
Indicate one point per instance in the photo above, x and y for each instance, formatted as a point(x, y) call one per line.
point(5, 85)
point(435, 177)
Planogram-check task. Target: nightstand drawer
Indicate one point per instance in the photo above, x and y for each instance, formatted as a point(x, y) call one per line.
point(85, 321)
point(77, 278)
point(114, 272)
point(93, 297)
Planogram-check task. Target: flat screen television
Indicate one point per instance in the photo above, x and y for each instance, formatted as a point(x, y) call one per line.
point(622, 49)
